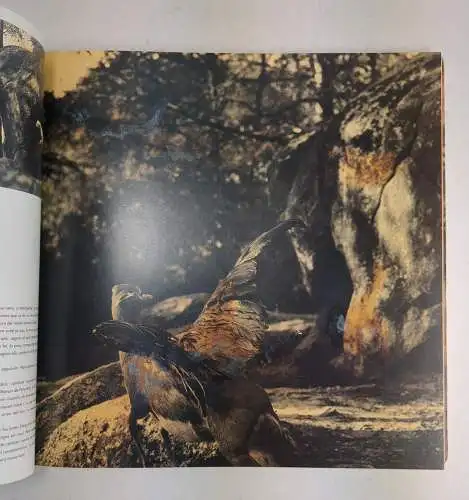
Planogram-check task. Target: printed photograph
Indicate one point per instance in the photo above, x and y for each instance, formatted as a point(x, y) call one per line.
point(242, 261)
point(21, 109)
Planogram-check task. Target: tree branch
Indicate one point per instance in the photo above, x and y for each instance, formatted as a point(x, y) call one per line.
point(208, 122)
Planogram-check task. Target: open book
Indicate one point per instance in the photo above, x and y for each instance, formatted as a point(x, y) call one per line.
point(224, 259)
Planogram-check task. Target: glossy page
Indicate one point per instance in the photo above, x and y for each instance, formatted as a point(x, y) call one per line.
point(242, 260)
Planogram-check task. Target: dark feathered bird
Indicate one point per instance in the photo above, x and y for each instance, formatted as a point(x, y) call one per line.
point(153, 385)
point(163, 378)
point(197, 376)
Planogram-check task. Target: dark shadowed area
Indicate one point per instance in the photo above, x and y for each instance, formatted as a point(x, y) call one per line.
point(21, 110)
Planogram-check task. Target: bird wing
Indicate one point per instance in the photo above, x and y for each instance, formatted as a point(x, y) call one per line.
point(140, 340)
point(233, 322)
point(190, 372)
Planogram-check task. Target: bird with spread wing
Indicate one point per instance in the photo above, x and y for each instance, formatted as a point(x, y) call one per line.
point(231, 327)
point(196, 375)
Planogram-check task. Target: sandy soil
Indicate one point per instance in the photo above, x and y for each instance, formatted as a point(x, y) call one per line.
point(357, 426)
point(366, 426)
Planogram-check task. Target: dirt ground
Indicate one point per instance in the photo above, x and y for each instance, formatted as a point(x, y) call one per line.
point(365, 426)
point(358, 426)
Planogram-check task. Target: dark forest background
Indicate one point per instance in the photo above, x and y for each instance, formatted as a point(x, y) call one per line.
point(158, 167)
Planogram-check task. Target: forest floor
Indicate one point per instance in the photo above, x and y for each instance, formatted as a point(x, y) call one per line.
point(358, 426)
point(362, 426)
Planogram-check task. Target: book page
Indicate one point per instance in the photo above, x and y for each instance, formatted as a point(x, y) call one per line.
point(21, 113)
point(242, 261)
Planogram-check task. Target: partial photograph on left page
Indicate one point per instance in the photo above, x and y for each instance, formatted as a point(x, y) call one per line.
point(21, 111)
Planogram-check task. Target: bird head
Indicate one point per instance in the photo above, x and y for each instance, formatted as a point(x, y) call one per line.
point(128, 301)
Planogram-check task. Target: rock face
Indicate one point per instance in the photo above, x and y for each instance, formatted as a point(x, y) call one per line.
point(84, 391)
point(370, 188)
point(176, 312)
point(21, 111)
point(99, 437)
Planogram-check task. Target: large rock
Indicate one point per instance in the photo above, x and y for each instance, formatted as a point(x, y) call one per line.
point(176, 312)
point(22, 112)
point(83, 391)
point(99, 437)
point(369, 187)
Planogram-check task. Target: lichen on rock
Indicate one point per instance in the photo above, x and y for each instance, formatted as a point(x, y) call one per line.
point(381, 205)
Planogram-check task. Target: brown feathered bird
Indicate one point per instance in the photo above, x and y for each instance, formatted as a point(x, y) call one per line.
point(197, 376)
point(153, 385)
point(231, 327)
point(180, 385)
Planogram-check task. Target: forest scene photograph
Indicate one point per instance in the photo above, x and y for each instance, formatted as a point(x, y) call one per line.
point(21, 110)
point(242, 260)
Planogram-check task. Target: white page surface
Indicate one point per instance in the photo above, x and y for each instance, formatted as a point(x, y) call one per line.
point(19, 270)
point(20, 218)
